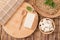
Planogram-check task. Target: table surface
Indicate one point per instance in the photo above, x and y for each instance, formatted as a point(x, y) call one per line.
point(37, 35)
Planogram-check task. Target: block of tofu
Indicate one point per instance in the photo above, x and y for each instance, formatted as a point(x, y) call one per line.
point(29, 20)
point(18, 26)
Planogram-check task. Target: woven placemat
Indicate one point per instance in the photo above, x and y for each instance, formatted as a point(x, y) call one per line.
point(45, 10)
point(8, 9)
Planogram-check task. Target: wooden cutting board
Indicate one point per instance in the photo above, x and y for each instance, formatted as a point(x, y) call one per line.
point(37, 35)
point(17, 26)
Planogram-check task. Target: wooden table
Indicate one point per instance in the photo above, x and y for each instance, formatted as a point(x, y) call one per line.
point(37, 35)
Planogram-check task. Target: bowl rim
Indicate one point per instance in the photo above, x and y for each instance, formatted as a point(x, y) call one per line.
point(48, 32)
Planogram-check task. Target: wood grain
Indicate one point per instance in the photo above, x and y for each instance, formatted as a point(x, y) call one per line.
point(0, 32)
point(37, 35)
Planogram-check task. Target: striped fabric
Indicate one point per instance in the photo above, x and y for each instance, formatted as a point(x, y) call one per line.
point(8, 9)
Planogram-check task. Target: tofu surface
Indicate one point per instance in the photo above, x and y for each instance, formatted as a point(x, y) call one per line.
point(29, 20)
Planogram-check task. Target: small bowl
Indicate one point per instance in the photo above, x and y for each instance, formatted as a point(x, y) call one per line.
point(49, 31)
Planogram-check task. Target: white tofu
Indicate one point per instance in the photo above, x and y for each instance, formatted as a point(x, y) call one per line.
point(46, 30)
point(43, 28)
point(47, 25)
point(29, 20)
point(51, 28)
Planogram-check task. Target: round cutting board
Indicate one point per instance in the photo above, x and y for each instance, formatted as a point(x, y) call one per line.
point(14, 27)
